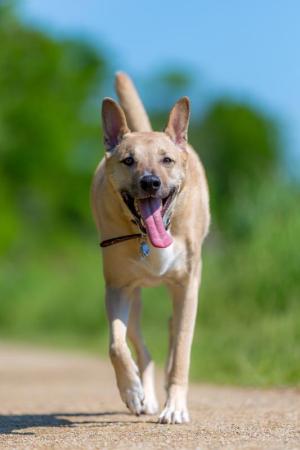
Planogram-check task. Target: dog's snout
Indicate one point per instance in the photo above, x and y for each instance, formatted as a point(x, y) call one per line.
point(150, 183)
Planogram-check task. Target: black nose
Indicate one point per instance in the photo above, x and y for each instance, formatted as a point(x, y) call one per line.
point(150, 183)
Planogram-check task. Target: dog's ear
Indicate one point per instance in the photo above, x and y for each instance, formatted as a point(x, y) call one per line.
point(114, 123)
point(177, 128)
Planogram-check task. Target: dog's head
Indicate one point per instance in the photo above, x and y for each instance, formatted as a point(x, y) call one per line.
point(147, 168)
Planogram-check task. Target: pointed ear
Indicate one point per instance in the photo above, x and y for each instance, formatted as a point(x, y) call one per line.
point(178, 124)
point(114, 123)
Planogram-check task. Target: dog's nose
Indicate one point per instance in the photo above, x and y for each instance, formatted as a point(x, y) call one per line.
point(150, 183)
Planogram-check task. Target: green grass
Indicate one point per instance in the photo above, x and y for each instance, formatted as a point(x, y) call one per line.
point(248, 326)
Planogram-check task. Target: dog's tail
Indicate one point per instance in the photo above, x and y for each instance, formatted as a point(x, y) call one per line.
point(135, 113)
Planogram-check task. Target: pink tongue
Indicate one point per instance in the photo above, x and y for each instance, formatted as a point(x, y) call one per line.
point(151, 213)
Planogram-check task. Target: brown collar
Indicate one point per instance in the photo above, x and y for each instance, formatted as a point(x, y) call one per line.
point(119, 239)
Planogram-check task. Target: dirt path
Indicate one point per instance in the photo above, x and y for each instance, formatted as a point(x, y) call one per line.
point(56, 400)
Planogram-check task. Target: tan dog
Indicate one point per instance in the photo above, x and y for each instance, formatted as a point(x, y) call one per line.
point(150, 188)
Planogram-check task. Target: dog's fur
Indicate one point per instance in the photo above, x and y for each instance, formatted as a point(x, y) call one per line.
point(178, 266)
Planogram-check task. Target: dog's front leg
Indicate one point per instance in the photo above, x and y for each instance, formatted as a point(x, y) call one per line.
point(118, 306)
point(144, 360)
point(185, 301)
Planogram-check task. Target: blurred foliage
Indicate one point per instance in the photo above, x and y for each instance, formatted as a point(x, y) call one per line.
point(48, 143)
point(241, 148)
point(50, 279)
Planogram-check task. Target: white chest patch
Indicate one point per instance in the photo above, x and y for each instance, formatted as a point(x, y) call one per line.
point(162, 260)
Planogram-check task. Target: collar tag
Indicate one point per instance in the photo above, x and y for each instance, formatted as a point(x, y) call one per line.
point(144, 249)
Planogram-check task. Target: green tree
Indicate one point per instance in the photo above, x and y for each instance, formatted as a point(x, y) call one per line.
point(240, 147)
point(47, 132)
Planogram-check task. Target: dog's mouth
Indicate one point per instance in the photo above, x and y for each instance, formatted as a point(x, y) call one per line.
point(152, 215)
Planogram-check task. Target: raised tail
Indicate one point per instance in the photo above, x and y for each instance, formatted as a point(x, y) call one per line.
point(135, 112)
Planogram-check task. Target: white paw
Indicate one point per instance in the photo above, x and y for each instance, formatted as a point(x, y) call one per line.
point(175, 410)
point(133, 397)
point(171, 415)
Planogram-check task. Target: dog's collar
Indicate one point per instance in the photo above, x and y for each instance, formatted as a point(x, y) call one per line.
point(119, 239)
point(144, 247)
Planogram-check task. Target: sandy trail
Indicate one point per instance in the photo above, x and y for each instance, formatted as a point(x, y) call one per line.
point(56, 400)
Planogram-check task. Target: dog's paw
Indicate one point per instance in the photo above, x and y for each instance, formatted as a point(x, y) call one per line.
point(171, 415)
point(175, 410)
point(133, 396)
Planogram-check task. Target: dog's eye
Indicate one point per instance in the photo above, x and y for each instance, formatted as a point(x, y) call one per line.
point(128, 161)
point(167, 160)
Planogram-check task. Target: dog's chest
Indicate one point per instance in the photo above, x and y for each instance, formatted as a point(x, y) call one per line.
point(160, 261)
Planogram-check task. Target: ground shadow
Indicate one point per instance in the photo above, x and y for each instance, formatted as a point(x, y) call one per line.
point(14, 423)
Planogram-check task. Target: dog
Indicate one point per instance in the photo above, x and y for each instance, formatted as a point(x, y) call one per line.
point(150, 203)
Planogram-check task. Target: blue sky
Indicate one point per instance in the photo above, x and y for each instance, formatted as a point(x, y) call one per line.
point(249, 49)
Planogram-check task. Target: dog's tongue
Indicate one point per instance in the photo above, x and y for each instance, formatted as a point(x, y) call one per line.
point(151, 213)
